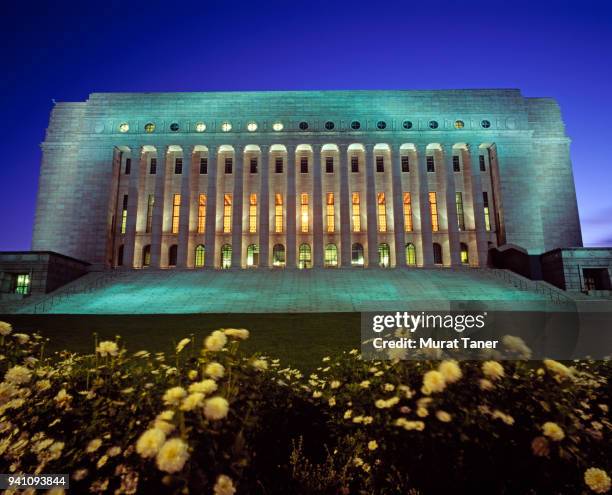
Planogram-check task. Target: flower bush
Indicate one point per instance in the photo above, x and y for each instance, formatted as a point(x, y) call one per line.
point(208, 419)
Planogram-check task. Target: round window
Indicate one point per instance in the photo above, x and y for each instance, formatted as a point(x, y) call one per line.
point(407, 124)
point(329, 125)
point(355, 124)
point(278, 126)
point(303, 126)
point(252, 126)
point(150, 127)
point(174, 127)
point(124, 127)
point(226, 127)
point(433, 124)
point(485, 124)
point(381, 124)
point(200, 127)
point(459, 124)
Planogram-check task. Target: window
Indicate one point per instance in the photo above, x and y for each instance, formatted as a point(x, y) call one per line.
point(172, 255)
point(150, 205)
point(278, 213)
point(153, 166)
point(305, 256)
point(124, 214)
point(227, 213)
point(382, 212)
point(481, 161)
point(596, 279)
point(228, 165)
point(303, 126)
point(128, 166)
point(331, 256)
point(464, 253)
point(252, 126)
point(201, 213)
point(380, 164)
point(252, 255)
point(459, 124)
point(381, 125)
point(356, 212)
point(146, 255)
point(410, 254)
point(329, 125)
point(22, 283)
point(200, 256)
point(357, 254)
point(437, 253)
point(407, 212)
point(460, 215)
point(405, 163)
point(303, 164)
point(124, 127)
point(278, 255)
point(226, 127)
point(433, 124)
point(431, 164)
point(330, 212)
point(384, 255)
point(174, 127)
point(176, 211)
point(200, 127)
point(149, 128)
point(178, 166)
point(203, 166)
point(485, 124)
point(226, 256)
point(407, 124)
point(485, 203)
point(304, 211)
point(355, 125)
point(278, 126)
point(329, 165)
point(456, 164)
point(253, 213)
point(354, 164)
point(253, 165)
point(278, 165)
point(433, 208)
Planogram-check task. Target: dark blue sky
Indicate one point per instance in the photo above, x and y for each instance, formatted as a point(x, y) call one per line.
point(558, 49)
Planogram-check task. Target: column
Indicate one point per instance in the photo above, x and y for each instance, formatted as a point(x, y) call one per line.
point(372, 226)
point(237, 213)
point(317, 208)
point(264, 207)
point(479, 220)
point(291, 199)
point(425, 212)
point(129, 244)
point(211, 209)
point(398, 207)
point(158, 207)
point(345, 207)
point(186, 199)
point(451, 206)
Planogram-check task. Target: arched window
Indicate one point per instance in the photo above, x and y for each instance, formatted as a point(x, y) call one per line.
point(200, 255)
point(146, 255)
point(305, 259)
point(278, 255)
point(437, 253)
point(120, 256)
point(331, 255)
point(172, 255)
point(410, 254)
point(252, 255)
point(226, 256)
point(465, 258)
point(384, 255)
point(357, 254)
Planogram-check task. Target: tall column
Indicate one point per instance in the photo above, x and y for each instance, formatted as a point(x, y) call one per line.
point(372, 226)
point(425, 212)
point(186, 199)
point(317, 207)
point(479, 220)
point(158, 207)
point(129, 244)
point(398, 207)
point(451, 206)
point(291, 204)
point(211, 209)
point(345, 207)
point(264, 207)
point(237, 213)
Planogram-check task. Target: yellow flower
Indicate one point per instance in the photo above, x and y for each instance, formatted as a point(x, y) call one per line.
point(506, 418)
point(332, 401)
point(365, 384)
point(366, 467)
point(260, 364)
point(214, 370)
point(63, 398)
point(372, 445)
point(150, 442)
point(443, 416)
point(203, 387)
point(93, 445)
point(192, 375)
point(107, 348)
point(559, 369)
point(181, 345)
point(224, 486)
point(389, 387)
point(172, 455)
point(5, 328)
point(597, 480)
point(174, 396)
point(164, 426)
point(347, 414)
point(18, 375)
point(422, 412)
point(316, 394)
point(353, 352)
point(486, 384)
point(192, 401)
point(367, 420)
point(553, 431)
point(433, 381)
point(215, 341)
point(22, 338)
point(334, 384)
point(450, 370)
point(237, 333)
point(410, 425)
point(517, 345)
point(358, 461)
point(166, 415)
point(216, 408)
point(493, 370)
point(358, 419)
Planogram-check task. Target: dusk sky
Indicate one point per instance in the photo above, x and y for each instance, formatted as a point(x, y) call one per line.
point(558, 49)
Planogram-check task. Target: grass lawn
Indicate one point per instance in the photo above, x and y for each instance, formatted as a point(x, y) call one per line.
point(298, 339)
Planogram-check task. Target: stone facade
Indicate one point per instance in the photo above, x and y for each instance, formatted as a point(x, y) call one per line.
point(313, 178)
point(579, 269)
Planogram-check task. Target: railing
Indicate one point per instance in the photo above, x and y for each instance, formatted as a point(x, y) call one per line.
point(526, 284)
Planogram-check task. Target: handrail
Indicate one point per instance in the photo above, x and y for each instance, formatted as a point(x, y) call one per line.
point(523, 283)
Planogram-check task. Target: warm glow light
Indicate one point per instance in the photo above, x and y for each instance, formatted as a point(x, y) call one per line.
point(277, 126)
point(252, 126)
point(226, 127)
point(124, 127)
point(200, 127)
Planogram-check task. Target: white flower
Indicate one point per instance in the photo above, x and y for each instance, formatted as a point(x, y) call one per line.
point(450, 370)
point(18, 375)
point(215, 341)
point(260, 364)
point(22, 338)
point(224, 486)
point(5, 328)
point(172, 455)
point(174, 396)
point(214, 370)
point(181, 345)
point(597, 480)
point(150, 442)
point(517, 345)
point(192, 401)
point(237, 333)
point(203, 387)
point(216, 408)
point(107, 347)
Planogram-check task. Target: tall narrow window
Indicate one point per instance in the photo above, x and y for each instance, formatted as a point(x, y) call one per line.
point(201, 213)
point(278, 165)
point(431, 164)
point(229, 162)
point(380, 164)
point(22, 283)
point(465, 259)
point(153, 166)
point(330, 212)
point(120, 256)
point(226, 256)
point(128, 166)
point(305, 256)
point(485, 203)
point(278, 213)
point(384, 255)
point(146, 255)
point(303, 164)
point(200, 256)
point(178, 166)
point(405, 163)
point(176, 211)
point(437, 253)
point(227, 213)
point(481, 160)
point(278, 255)
point(252, 255)
point(460, 215)
point(382, 212)
point(410, 254)
point(456, 164)
point(433, 208)
point(124, 214)
point(356, 212)
point(172, 255)
point(331, 255)
point(329, 165)
point(203, 166)
point(354, 164)
point(253, 213)
point(357, 254)
point(150, 205)
point(304, 211)
point(407, 212)
point(253, 165)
